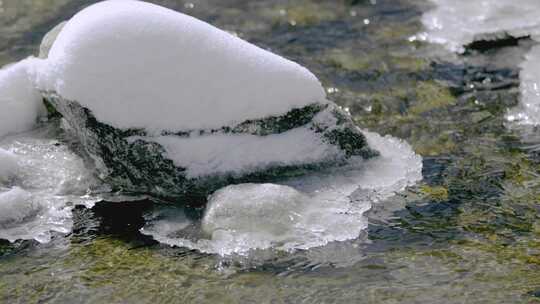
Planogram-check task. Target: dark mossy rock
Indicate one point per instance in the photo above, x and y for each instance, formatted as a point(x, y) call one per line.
point(136, 166)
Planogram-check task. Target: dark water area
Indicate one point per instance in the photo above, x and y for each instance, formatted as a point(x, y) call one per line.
point(468, 233)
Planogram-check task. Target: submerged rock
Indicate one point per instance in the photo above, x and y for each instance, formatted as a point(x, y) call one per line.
point(208, 110)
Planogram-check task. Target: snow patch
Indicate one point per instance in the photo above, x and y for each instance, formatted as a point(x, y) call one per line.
point(243, 154)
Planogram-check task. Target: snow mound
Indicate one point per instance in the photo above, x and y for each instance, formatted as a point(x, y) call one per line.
point(456, 23)
point(20, 102)
point(299, 213)
point(131, 62)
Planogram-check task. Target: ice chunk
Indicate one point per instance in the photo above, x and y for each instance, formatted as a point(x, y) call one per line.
point(255, 208)
point(16, 205)
point(299, 213)
point(8, 165)
point(47, 176)
point(139, 65)
point(20, 102)
point(456, 23)
point(25, 215)
point(528, 110)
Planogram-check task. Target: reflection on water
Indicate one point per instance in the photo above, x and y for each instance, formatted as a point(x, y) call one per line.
point(469, 233)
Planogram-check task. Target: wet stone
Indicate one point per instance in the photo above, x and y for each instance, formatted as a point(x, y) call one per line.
point(491, 44)
point(535, 293)
point(133, 165)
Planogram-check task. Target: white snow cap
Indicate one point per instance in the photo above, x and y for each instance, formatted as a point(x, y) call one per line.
point(139, 65)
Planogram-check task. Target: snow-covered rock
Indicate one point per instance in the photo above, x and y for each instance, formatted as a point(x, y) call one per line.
point(168, 105)
point(206, 110)
point(198, 162)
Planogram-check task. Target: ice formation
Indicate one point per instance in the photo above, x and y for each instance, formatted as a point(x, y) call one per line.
point(270, 209)
point(299, 213)
point(457, 23)
point(528, 110)
point(20, 102)
point(45, 176)
point(8, 165)
point(16, 206)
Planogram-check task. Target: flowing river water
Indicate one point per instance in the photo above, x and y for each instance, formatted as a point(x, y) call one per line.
point(468, 233)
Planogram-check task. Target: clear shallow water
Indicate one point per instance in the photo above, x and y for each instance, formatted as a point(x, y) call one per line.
point(469, 233)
